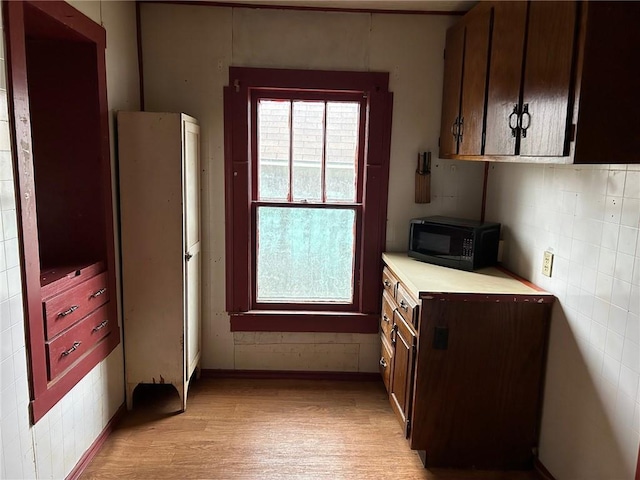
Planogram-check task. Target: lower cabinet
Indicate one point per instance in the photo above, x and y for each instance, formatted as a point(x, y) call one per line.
point(464, 362)
point(401, 382)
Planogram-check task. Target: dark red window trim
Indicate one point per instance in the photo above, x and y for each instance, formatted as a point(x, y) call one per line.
point(238, 185)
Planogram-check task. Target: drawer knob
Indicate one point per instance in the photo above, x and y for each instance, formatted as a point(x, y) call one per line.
point(387, 283)
point(73, 348)
point(100, 326)
point(383, 363)
point(404, 305)
point(98, 293)
point(71, 309)
point(385, 318)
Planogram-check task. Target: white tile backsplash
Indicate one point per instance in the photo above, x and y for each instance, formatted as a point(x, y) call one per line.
point(593, 232)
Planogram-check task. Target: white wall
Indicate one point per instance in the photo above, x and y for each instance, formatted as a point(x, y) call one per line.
point(186, 54)
point(588, 216)
point(43, 451)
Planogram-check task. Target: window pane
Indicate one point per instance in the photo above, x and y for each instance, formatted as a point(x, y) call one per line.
point(273, 149)
point(305, 255)
point(343, 120)
point(308, 140)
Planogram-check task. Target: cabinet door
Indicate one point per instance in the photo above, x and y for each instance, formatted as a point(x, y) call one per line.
point(505, 76)
point(451, 90)
point(404, 341)
point(547, 78)
point(474, 80)
point(191, 205)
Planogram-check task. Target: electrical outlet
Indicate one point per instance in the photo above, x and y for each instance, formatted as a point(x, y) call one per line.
point(547, 263)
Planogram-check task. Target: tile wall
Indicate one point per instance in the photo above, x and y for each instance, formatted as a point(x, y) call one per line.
point(588, 216)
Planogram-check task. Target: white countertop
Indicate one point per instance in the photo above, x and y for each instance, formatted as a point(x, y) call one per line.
point(424, 278)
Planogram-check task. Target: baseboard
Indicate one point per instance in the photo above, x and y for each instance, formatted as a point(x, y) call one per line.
point(292, 375)
point(542, 470)
point(97, 444)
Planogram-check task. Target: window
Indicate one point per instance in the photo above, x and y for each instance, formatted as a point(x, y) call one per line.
point(306, 156)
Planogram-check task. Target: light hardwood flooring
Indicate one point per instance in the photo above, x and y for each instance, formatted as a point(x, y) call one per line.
point(266, 429)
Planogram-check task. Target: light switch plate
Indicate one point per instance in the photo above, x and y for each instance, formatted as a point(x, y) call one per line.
point(547, 263)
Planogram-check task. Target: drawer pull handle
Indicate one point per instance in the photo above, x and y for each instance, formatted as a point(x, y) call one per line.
point(387, 283)
point(383, 363)
point(72, 309)
point(100, 326)
point(98, 293)
point(404, 305)
point(73, 348)
point(385, 318)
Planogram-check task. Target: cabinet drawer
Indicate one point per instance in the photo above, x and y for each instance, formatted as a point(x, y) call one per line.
point(65, 349)
point(385, 362)
point(389, 282)
point(66, 308)
point(407, 306)
point(386, 317)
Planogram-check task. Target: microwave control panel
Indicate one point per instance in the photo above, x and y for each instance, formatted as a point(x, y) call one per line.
point(467, 248)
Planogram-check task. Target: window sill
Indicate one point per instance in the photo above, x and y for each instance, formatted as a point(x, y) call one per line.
point(285, 321)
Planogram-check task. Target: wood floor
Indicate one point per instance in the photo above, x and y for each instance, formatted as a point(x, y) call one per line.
point(267, 429)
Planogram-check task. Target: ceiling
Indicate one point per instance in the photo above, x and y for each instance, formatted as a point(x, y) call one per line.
point(402, 5)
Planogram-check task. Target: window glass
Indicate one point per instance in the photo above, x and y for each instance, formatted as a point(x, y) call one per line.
point(305, 255)
point(342, 151)
point(273, 149)
point(308, 144)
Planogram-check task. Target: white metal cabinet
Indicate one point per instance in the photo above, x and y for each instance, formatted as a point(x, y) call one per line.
point(159, 164)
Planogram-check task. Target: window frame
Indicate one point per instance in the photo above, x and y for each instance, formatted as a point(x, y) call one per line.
point(246, 85)
point(356, 205)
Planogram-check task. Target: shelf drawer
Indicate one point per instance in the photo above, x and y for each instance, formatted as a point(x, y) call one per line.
point(63, 310)
point(70, 346)
point(386, 316)
point(407, 306)
point(389, 282)
point(386, 355)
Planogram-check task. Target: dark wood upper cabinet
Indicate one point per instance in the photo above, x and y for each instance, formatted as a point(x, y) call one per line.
point(562, 83)
point(505, 76)
point(464, 84)
point(546, 86)
point(608, 84)
point(454, 56)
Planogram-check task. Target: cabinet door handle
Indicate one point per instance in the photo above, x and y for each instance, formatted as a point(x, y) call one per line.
point(73, 348)
point(454, 129)
point(98, 293)
point(71, 309)
point(514, 121)
point(385, 318)
point(383, 363)
point(523, 127)
point(100, 326)
point(188, 256)
point(393, 334)
point(460, 129)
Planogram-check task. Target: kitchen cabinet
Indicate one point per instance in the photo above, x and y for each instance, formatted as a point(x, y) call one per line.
point(527, 115)
point(562, 83)
point(60, 147)
point(467, 360)
point(159, 160)
point(464, 84)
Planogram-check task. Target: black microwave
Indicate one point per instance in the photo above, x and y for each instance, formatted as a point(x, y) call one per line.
point(454, 242)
